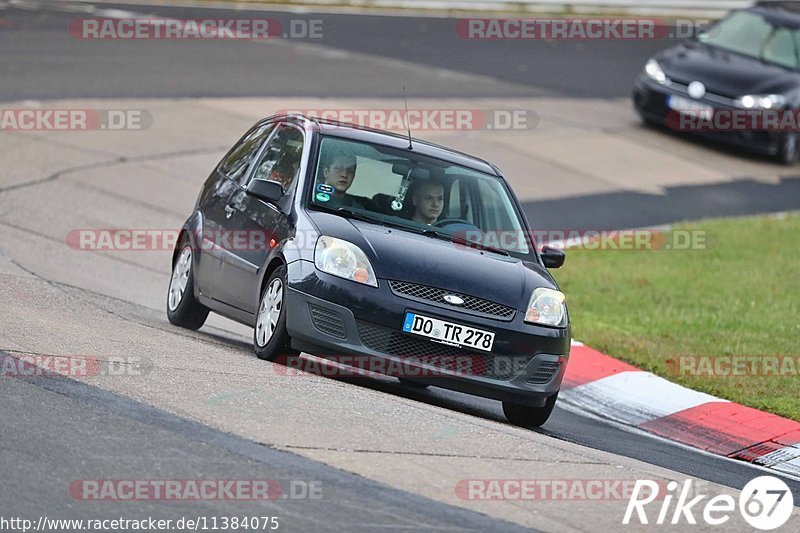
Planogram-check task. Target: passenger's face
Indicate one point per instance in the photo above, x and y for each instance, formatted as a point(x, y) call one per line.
point(429, 201)
point(340, 174)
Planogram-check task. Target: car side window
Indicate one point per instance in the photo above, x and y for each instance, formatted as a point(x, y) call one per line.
point(280, 161)
point(236, 163)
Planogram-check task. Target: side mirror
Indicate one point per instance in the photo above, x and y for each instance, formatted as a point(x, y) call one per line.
point(553, 257)
point(269, 191)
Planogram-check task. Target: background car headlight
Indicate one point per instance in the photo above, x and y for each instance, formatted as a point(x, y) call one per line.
point(653, 69)
point(761, 101)
point(546, 307)
point(343, 259)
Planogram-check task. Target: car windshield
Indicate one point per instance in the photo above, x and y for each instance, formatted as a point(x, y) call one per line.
point(750, 34)
point(419, 194)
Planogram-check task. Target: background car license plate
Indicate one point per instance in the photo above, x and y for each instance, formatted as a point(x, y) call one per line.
point(690, 107)
point(448, 332)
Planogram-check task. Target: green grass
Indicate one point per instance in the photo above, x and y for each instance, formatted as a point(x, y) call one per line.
point(740, 296)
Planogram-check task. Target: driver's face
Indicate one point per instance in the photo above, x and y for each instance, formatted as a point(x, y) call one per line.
point(429, 201)
point(340, 174)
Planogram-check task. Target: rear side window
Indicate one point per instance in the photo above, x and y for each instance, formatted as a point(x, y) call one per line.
point(236, 163)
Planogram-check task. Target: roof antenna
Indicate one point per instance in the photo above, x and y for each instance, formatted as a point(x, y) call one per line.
point(408, 126)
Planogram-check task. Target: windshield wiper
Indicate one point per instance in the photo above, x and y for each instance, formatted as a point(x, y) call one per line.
point(461, 240)
point(349, 214)
point(467, 242)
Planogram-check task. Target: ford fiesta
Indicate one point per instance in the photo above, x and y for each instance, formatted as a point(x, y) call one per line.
point(338, 240)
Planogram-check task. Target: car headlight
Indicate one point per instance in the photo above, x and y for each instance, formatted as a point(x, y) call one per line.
point(546, 307)
point(654, 70)
point(343, 259)
point(761, 101)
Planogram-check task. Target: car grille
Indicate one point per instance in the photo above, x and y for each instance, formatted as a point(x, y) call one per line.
point(472, 305)
point(544, 372)
point(437, 355)
point(326, 321)
point(709, 97)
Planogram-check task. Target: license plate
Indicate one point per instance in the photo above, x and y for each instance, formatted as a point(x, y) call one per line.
point(448, 332)
point(690, 107)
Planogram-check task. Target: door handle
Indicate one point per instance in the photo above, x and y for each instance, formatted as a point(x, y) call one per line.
point(229, 209)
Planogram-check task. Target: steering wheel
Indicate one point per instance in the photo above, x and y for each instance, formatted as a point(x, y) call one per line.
point(450, 221)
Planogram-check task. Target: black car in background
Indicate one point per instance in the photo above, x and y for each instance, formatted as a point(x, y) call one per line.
point(746, 63)
point(344, 242)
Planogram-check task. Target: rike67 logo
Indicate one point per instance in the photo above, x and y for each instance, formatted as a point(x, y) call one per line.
point(765, 503)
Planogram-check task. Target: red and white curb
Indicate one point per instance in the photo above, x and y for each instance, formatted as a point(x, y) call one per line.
point(614, 390)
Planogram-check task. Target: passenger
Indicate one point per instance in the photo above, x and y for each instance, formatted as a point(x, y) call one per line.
point(339, 171)
point(428, 201)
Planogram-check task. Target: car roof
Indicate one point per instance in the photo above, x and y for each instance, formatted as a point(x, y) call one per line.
point(364, 134)
point(781, 13)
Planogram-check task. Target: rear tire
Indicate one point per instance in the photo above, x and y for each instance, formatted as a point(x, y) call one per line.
point(270, 338)
point(183, 310)
point(529, 417)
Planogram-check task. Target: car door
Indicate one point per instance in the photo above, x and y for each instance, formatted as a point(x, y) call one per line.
point(258, 221)
point(216, 212)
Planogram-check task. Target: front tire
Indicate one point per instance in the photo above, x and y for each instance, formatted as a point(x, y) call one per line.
point(183, 310)
point(529, 417)
point(650, 123)
point(270, 338)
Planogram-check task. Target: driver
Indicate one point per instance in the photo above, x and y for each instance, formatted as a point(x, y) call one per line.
point(428, 201)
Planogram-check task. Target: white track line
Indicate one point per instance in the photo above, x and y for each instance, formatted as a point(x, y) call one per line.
point(636, 397)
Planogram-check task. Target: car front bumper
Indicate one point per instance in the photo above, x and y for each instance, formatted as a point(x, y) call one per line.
point(331, 317)
point(650, 102)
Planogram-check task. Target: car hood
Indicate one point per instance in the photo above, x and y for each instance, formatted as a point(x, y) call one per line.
point(405, 256)
point(725, 73)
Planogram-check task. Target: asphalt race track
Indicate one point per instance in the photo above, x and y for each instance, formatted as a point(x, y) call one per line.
point(386, 456)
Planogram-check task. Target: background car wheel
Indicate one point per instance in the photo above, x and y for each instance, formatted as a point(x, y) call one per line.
point(270, 338)
point(650, 123)
point(527, 416)
point(413, 383)
point(183, 309)
point(790, 151)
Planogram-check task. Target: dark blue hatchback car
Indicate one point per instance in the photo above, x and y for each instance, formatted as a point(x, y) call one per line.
point(355, 244)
